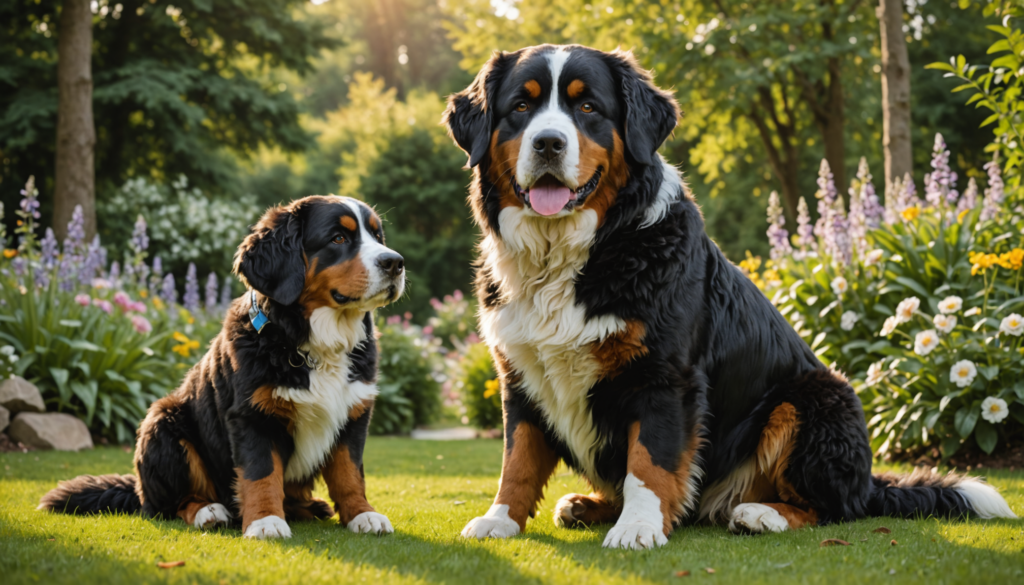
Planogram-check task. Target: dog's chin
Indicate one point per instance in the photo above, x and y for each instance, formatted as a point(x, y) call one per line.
point(386, 294)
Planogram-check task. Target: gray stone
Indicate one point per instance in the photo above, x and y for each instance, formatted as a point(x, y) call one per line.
point(51, 430)
point(19, 395)
point(5, 418)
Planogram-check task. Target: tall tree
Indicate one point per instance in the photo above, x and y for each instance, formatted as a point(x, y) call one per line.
point(76, 135)
point(895, 91)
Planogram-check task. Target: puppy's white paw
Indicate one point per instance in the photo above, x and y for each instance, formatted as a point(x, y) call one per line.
point(563, 512)
point(268, 527)
point(371, 523)
point(212, 516)
point(635, 535)
point(495, 524)
point(756, 519)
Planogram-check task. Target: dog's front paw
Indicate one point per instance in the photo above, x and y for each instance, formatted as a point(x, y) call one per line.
point(371, 523)
point(756, 519)
point(211, 516)
point(268, 527)
point(635, 535)
point(495, 524)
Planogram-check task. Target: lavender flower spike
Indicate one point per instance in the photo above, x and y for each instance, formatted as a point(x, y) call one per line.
point(76, 232)
point(191, 298)
point(48, 250)
point(826, 195)
point(873, 210)
point(211, 293)
point(778, 237)
point(940, 184)
point(994, 193)
point(804, 229)
point(167, 292)
point(140, 241)
point(970, 199)
point(837, 235)
point(225, 295)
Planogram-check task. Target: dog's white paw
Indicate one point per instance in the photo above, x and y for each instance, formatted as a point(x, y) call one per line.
point(635, 535)
point(371, 523)
point(212, 516)
point(563, 512)
point(756, 519)
point(268, 527)
point(494, 524)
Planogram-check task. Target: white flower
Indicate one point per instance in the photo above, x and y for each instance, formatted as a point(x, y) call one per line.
point(848, 320)
point(994, 410)
point(944, 323)
point(13, 359)
point(906, 309)
point(972, 312)
point(962, 373)
point(925, 342)
point(872, 257)
point(7, 350)
point(839, 285)
point(1012, 325)
point(895, 258)
point(889, 326)
point(951, 304)
point(875, 374)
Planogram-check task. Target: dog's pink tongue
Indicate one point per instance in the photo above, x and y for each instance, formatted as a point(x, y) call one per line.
point(549, 200)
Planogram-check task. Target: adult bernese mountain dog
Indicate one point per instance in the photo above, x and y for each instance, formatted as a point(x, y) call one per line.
point(628, 346)
point(284, 393)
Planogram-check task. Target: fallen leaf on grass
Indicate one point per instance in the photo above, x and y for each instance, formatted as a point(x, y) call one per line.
point(833, 542)
point(682, 573)
point(893, 542)
point(710, 571)
point(882, 530)
point(171, 564)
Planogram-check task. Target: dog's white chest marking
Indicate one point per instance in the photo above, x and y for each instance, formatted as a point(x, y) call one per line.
point(542, 331)
point(322, 410)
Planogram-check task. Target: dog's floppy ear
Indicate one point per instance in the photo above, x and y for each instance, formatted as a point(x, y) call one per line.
point(651, 113)
point(469, 115)
point(270, 258)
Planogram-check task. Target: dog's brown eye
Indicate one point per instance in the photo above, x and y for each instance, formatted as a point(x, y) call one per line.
point(522, 107)
point(586, 108)
point(339, 240)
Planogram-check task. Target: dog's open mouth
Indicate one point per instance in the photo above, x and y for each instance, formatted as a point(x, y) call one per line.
point(548, 195)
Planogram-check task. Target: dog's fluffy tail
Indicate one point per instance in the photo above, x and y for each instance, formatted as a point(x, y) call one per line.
point(92, 494)
point(925, 493)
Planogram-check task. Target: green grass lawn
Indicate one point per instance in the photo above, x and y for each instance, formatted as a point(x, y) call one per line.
point(430, 490)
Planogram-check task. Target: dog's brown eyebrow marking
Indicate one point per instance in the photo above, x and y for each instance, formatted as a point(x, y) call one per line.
point(576, 88)
point(533, 88)
point(374, 224)
point(349, 223)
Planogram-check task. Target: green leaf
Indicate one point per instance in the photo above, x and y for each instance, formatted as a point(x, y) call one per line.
point(985, 435)
point(950, 445)
point(60, 377)
point(965, 419)
point(914, 286)
point(989, 372)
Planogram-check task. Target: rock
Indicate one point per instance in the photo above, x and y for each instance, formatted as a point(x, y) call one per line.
point(51, 430)
point(19, 395)
point(5, 418)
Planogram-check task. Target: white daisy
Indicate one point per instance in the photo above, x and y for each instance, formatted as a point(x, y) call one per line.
point(875, 374)
point(925, 342)
point(950, 304)
point(906, 309)
point(848, 320)
point(1012, 325)
point(895, 258)
point(994, 410)
point(872, 257)
point(839, 285)
point(972, 312)
point(889, 326)
point(7, 350)
point(944, 323)
point(963, 373)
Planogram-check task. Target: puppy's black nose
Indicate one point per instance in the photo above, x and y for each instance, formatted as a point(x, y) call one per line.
point(549, 143)
point(391, 264)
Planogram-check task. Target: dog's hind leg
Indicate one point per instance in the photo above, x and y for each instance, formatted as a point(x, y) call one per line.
point(200, 509)
point(299, 503)
point(574, 510)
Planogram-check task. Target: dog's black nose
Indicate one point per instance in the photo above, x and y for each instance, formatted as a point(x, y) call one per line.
point(549, 143)
point(391, 264)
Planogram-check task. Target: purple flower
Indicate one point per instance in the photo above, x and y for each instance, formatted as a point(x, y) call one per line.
point(191, 298)
point(225, 294)
point(76, 231)
point(66, 270)
point(837, 235)
point(826, 195)
point(167, 291)
point(211, 293)
point(140, 241)
point(804, 229)
point(778, 237)
point(93, 263)
point(30, 201)
point(115, 273)
point(19, 266)
point(142, 271)
point(158, 267)
point(940, 184)
point(128, 276)
point(873, 210)
point(994, 193)
point(48, 250)
point(970, 198)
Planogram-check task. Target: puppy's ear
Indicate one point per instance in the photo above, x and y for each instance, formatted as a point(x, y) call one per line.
point(270, 258)
point(651, 113)
point(469, 115)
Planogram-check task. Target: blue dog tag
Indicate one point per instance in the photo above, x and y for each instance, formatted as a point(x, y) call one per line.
point(256, 316)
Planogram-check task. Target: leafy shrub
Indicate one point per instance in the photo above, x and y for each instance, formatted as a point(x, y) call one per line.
point(481, 390)
point(454, 320)
point(917, 302)
point(410, 390)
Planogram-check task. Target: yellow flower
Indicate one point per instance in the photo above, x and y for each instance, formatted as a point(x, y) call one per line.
point(751, 264)
point(10, 253)
point(186, 344)
point(491, 387)
point(771, 275)
point(981, 262)
point(186, 316)
point(1012, 260)
point(158, 303)
point(911, 213)
point(143, 293)
point(961, 215)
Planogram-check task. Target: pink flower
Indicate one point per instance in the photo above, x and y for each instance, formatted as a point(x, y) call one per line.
point(428, 330)
point(472, 338)
point(457, 294)
point(104, 305)
point(140, 324)
point(121, 299)
point(394, 319)
point(137, 306)
point(436, 304)
point(83, 299)
point(408, 315)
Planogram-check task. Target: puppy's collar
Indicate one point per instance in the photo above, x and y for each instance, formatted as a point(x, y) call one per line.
point(257, 317)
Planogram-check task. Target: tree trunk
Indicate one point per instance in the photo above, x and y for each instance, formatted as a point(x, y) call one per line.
point(895, 91)
point(76, 132)
point(833, 126)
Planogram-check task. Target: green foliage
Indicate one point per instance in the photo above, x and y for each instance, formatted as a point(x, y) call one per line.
point(410, 394)
point(454, 320)
point(481, 391)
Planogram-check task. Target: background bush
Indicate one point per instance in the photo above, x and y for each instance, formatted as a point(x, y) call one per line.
point(410, 390)
point(480, 388)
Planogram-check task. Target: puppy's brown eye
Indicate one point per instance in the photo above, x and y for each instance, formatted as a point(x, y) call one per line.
point(339, 240)
point(522, 107)
point(586, 108)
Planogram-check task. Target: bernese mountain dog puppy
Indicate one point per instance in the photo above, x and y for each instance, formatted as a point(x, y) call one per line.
point(628, 346)
point(284, 393)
